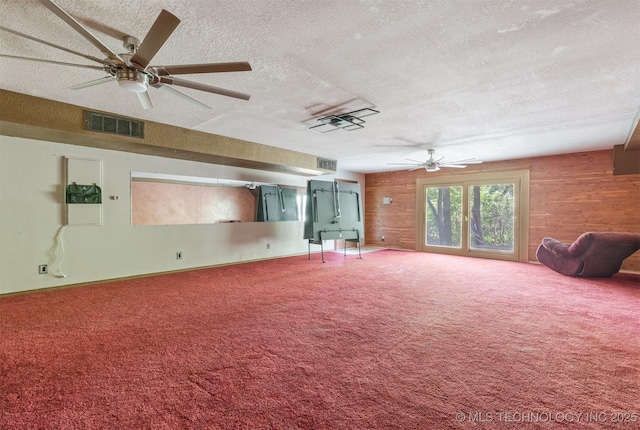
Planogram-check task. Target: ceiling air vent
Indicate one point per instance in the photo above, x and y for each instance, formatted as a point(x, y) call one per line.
point(326, 164)
point(95, 121)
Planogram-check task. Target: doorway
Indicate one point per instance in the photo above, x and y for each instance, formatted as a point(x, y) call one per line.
point(481, 215)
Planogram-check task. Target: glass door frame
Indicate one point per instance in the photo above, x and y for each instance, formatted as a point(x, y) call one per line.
point(520, 178)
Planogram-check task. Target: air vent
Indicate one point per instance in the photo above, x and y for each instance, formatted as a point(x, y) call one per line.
point(95, 121)
point(326, 164)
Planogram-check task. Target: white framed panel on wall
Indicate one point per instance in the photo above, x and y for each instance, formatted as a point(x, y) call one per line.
point(83, 171)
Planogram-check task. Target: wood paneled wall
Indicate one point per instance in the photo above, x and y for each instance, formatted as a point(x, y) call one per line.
point(569, 195)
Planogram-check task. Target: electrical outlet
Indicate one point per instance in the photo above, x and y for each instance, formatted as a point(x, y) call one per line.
point(268, 245)
point(179, 255)
point(43, 269)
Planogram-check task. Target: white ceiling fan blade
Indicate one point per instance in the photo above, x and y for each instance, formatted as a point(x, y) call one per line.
point(160, 31)
point(457, 166)
point(59, 63)
point(411, 143)
point(415, 161)
point(83, 31)
point(53, 45)
point(406, 164)
point(202, 87)
point(464, 160)
point(182, 95)
point(92, 83)
point(145, 100)
point(187, 69)
point(416, 168)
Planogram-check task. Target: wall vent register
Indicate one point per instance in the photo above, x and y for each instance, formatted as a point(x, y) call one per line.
point(95, 121)
point(326, 164)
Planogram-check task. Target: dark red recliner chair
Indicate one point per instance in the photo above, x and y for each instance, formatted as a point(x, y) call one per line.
point(593, 254)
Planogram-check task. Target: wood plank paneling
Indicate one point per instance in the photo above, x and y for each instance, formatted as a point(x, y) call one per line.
point(569, 195)
point(395, 221)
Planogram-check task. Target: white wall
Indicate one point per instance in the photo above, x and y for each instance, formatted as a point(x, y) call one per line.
point(32, 213)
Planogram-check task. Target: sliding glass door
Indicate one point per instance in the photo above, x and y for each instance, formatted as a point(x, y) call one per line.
point(491, 217)
point(477, 214)
point(443, 216)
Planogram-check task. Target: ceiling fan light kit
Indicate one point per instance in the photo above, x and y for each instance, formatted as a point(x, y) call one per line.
point(131, 70)
point(345, 121)
point(132, 80)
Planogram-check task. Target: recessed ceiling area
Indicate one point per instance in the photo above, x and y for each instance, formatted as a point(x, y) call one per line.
point(490, 79)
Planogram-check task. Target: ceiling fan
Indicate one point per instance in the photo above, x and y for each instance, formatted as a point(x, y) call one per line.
point(433, 165)
point(131, 70)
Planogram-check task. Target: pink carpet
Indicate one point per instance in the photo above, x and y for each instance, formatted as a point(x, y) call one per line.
point(398, 340)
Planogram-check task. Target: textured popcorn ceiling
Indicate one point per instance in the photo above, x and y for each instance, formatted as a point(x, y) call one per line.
point(492, 79)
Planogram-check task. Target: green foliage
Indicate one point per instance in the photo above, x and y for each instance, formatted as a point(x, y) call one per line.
point(491, 224)
point(436, 232)
point(497, 220)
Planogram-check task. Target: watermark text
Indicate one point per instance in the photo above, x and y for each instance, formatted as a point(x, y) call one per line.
point(622, 417)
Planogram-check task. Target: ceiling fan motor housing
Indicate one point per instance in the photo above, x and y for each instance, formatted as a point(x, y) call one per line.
point(131, 43)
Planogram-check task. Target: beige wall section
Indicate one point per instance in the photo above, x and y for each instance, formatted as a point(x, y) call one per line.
point(35, 118)
point(32, 214)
